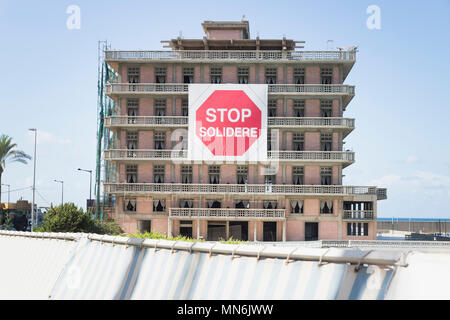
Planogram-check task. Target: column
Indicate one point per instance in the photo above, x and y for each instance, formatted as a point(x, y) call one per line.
point(169, 231)
point(198, 228)
point(227, 230)
point(254, 230)
point(284, 230)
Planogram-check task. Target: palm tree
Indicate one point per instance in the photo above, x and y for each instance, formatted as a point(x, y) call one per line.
point(9, 154)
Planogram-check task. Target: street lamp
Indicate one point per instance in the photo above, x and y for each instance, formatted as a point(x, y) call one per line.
point(9, 188)
point(90, 183)
point(34, 177)
point(62, 190)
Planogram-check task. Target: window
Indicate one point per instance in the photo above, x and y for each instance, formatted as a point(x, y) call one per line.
point(131, 173)
point(186, 174)
point(242, 174)
point(326, 140)
point(214, 174)
point(357, 229)
point(299, 108)
point(129, 205)
point(271, 75)
point(133, 74)
point(326, 75)
point(186, 203)
point(160, 140)
point(132, 108)
point(270, 179)
point(160, 75)
point(188, 75)
point(272, 108)
point(326, 108)
point(243, 75)
point(158, 173)
point(326, 206)
point(242, 204)
point(216, 74)
point(184, 108)
point(298, 174)
point(270, 204)
point(296, 206)
point(132, 140)
point(298, 141)
point(160, 107)
point(272, 140)
point(325, 175)
point(186, 229)
point(213, 204)
point(299, 76)
point(159, 205)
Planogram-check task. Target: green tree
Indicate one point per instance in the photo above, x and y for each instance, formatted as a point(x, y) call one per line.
point(69, 218)
point(8, 153)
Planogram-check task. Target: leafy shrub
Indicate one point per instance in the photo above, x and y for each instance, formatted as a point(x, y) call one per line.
point(69, 218)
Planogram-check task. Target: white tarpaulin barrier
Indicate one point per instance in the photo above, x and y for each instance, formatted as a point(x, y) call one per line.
point(103, 267)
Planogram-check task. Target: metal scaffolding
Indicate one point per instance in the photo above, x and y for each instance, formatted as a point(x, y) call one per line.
point(105, 138)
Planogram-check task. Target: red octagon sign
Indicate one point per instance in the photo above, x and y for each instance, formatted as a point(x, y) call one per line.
point(228, 122)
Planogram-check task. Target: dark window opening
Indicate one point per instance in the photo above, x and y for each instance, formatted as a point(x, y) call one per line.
point(269, 231)
point(326, 206)
point(158, 173)
point(326, 140)
point(271, 76)
point(326, 174)
point(299, 108)
point(160, 75)
point(159, 205)
point(299, 76)
point(311, 231)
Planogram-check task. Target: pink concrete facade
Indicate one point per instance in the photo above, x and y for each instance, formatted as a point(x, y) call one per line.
point(309, 224)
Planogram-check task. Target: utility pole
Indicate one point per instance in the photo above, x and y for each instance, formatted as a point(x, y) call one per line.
point(90, 184)
point(34, 178)
point(62, 191)
point(9, 189)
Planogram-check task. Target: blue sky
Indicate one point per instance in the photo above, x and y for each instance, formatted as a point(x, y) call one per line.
point(49, 76)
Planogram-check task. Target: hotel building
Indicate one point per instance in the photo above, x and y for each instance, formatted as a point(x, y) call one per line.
point(157, 189)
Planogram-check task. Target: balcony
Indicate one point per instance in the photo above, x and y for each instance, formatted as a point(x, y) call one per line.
point(344, 157)
point(358, 214)
point(317, 90)
point(224, 214)
point(136, 189)
point(145, 122)
point(231, 56)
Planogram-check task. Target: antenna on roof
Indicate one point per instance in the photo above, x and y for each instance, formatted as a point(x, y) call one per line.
point(243, 17)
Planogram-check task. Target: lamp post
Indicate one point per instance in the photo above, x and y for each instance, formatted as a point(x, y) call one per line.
point(62, 190)
point(90, 184)
point(34, 177)
point(9, 188)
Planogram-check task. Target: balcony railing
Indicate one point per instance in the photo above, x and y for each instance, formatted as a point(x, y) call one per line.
point(146, 121)
point(164, 88)
point(232, 55)
point(311, 122)
point(358, 214)
point(312, 155)
point(198, 213)
point(180, 121)
point(274, 189)
point(139, 154)
point(125, 154)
